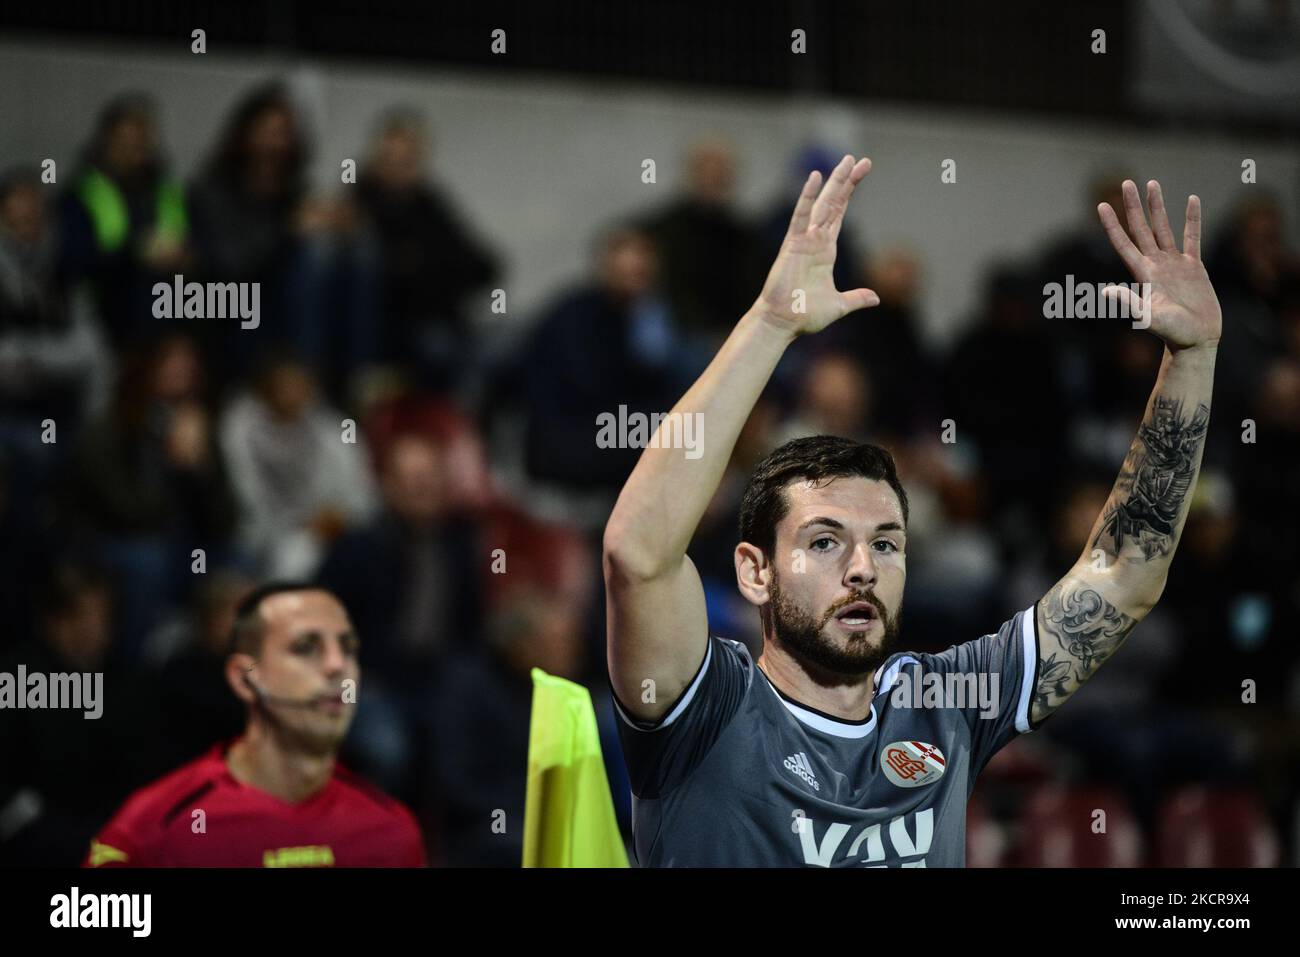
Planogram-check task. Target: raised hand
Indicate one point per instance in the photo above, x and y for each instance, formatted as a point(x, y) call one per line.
point(800, 295)
point(1184, 310)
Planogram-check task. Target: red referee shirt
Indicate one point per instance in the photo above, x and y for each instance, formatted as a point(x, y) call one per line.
point(347, 824)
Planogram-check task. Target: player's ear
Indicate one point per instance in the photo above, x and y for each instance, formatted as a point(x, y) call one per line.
point(753, 573)
point(236, 672)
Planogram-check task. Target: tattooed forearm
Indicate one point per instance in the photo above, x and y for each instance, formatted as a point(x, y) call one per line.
point(1125, 564)
point(1078, 629)
point(1155, 480)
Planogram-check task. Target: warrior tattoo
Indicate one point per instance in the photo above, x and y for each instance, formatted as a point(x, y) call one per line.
point(1155, 479)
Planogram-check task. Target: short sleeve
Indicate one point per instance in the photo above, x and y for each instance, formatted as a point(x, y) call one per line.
point(113, 847)
point(660, 755)
point(998, 673)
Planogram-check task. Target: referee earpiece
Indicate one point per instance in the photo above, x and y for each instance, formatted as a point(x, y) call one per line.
point(253, 686)
point(264, 698)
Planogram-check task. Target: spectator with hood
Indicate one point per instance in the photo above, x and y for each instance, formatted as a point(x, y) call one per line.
point(53, 364)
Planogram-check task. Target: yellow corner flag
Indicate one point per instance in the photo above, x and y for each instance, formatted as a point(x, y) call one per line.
point(568, 812)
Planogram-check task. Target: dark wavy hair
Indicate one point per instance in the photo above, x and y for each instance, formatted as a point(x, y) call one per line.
point(817, 457)
point(227, 160)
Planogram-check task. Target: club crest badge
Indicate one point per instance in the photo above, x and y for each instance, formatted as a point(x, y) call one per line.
point(912, 764)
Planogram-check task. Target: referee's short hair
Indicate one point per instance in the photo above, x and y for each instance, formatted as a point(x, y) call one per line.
point(249, 629)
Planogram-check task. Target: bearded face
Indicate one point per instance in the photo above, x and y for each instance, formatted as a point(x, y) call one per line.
point(852, 637)
point(831, 591)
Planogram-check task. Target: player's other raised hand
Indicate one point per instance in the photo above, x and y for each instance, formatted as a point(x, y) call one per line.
point(800, 295)
point(1184, 310)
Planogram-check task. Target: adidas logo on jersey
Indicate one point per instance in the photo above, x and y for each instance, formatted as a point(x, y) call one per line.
point(798, 763)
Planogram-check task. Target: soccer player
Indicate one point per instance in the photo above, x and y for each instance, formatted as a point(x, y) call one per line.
point(822, 752)
point(275, 797)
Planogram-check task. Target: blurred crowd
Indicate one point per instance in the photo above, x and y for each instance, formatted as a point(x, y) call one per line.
point(372, 434)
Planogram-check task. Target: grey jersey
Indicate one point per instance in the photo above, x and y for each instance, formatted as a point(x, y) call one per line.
point(738, 775)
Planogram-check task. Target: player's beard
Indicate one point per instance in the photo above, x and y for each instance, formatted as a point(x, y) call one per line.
point(804, 636)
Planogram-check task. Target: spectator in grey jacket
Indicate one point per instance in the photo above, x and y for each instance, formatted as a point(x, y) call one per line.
point(300, 476)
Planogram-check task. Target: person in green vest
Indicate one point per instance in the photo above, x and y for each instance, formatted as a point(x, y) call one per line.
point(123, 220)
